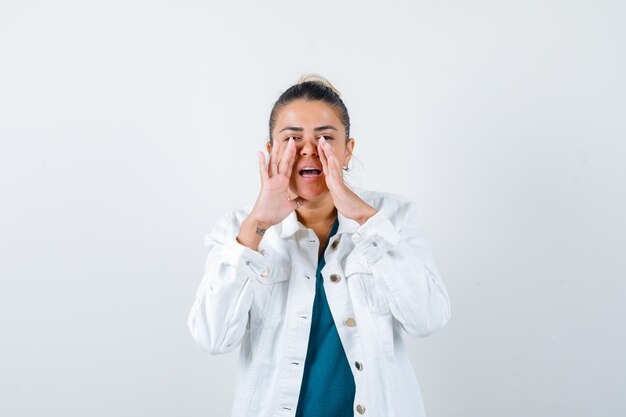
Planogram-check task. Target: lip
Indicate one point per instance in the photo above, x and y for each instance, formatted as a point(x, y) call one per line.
point(311, 178)
point(309, 165)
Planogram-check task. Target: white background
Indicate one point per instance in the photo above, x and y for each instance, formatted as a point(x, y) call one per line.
point(128, 127)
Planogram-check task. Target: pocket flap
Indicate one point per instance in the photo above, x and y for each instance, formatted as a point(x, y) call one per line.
point(356, 265)
point(280, 272)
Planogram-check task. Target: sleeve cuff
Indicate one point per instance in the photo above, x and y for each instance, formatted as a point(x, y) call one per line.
point(375, 237)
point(253, 263)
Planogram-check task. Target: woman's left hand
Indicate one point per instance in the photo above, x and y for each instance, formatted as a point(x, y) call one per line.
point(347, 202)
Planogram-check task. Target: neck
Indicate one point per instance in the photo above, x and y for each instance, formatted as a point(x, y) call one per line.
point(318, 212)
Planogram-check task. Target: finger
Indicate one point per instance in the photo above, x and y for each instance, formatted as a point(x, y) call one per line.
point(330, 158)
point(274, 160)
point(320, 151)
point(286, 158)
point(262, 168)
point(292, 159)
point(336, 166)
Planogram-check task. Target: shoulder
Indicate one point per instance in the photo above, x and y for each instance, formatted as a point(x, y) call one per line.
point(228, 224)
point(239, 214)
point(401, 211)
point(391, 203)
point(235, 216)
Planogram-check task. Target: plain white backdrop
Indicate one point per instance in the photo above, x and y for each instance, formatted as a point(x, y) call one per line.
point(128, 127)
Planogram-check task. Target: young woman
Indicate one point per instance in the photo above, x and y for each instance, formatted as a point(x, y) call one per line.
point(316, 280)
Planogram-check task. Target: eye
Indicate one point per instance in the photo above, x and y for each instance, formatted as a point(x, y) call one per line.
point(294, 138)
point(326, 137)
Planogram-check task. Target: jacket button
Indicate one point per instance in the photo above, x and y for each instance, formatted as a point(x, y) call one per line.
point(334, 244)
point(360, 409)
point(358, 365)
point(334, 277)
point(350, 322)
point(265, 273)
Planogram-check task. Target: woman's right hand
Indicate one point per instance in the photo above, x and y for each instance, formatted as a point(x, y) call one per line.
point(273, 204)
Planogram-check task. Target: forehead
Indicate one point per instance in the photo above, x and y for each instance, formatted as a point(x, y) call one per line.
point(307, 114)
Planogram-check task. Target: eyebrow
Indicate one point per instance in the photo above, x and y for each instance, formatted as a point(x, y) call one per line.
point(317, 129)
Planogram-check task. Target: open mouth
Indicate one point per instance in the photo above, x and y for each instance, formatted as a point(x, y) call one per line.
point(310, 172)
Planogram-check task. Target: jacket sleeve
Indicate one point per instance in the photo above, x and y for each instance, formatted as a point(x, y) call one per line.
point(400, 256)
point(219, 316)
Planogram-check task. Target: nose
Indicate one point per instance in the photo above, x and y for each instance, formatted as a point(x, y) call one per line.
point(309, 147)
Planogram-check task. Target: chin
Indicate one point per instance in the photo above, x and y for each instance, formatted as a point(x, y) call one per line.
point(310, 192)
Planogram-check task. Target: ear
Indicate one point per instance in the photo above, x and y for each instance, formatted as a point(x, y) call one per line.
point(349, 148)
point(268, 146)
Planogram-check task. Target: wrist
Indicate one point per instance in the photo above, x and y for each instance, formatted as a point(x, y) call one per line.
point(255, 222)
point(365, 216)
point(255, 218)
point(251, 232)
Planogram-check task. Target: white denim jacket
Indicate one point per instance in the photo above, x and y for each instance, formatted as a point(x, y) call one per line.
point(380, 279)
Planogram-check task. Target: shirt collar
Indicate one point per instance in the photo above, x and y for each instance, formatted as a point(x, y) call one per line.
point(290, 225)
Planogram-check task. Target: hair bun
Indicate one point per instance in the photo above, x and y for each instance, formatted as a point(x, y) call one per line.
point(316, 78)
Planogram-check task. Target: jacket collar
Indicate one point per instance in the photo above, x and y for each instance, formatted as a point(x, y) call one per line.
point(290, 225)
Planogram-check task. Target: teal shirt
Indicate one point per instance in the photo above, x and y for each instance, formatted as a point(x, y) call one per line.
point(327, 384)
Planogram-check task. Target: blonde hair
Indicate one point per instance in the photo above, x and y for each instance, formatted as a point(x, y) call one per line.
point(316, 78)
point(312, 87)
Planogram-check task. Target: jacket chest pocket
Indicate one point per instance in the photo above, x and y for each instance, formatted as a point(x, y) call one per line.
point(373, 289)
point(375, 312)
point(264, 314)
point(265, 293)
point(373, 299)
point(374, 294)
